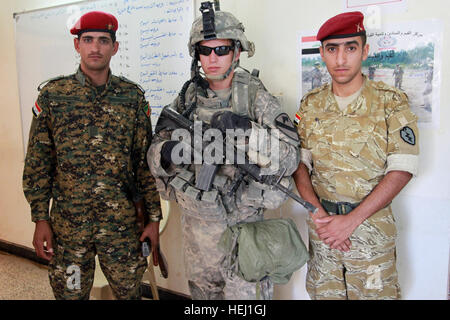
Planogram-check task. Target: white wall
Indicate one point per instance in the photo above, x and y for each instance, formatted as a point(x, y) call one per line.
point(421, 210)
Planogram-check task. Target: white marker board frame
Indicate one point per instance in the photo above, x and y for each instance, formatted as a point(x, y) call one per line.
point(152, 36)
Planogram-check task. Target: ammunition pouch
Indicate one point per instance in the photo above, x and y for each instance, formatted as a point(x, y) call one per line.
point(260, 195)
point(165, 190)
point(204, 204)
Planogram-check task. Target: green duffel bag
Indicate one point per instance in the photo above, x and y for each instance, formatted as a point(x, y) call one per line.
point(269, 248)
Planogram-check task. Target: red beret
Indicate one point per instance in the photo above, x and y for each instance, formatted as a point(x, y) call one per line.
point(344, 25)
point(95, 21)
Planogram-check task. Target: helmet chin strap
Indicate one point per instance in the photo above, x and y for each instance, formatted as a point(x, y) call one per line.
point(234, 65)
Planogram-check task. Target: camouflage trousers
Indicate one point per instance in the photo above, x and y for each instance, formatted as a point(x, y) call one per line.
point(71, 270)
point(367, 271)
point(207, 279)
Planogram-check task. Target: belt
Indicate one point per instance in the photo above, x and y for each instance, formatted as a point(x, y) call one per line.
point(338, 207)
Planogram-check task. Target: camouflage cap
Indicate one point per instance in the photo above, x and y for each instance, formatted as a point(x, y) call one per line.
point(226, 27)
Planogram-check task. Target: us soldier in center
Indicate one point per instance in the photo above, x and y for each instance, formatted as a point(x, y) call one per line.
point(359, 148)
point(225, 99)
point(88, 141)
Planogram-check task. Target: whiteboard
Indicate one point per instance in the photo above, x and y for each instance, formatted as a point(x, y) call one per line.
point(153, 50)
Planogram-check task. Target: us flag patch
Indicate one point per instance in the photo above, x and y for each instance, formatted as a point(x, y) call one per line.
point(297, 119)
point(36, 110)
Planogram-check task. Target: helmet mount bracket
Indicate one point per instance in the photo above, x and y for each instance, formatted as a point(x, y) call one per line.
point(209, 30)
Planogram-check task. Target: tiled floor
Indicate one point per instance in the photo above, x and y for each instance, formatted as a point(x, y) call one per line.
point(22, 279)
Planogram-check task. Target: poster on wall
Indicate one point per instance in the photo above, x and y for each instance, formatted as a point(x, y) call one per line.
point(382, 5)
point(404, 55)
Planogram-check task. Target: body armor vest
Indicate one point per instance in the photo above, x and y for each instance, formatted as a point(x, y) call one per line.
point(215, 203)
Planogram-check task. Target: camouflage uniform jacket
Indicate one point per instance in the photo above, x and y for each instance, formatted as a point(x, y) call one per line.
point(251, 197)
point(352, 150)
point(83, 143)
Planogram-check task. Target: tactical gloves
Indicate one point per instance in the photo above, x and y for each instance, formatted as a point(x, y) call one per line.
point(166, 153)
point(224, 120)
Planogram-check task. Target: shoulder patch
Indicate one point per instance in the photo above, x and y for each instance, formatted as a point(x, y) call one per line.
point(285, 125)
point(147, 109)
point(297, 119)
point(407, 135)
point(36, 110)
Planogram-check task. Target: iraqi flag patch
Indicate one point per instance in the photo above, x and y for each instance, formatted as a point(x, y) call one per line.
point(36, 110)
point(297, 119)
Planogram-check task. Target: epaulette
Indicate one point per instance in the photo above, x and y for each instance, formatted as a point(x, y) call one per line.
point(49, 80)
point(380, 85)
point(315, 91)
point(131, 82)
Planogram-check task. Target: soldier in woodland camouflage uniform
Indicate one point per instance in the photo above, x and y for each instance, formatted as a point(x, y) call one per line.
point(88, 139)
point(240, 101)
point(359, 148)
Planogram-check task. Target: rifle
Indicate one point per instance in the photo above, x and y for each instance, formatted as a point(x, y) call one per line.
point(208, 171)
point(142, 221)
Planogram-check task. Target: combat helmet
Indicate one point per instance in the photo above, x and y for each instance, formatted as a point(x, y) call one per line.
point(226, 26)
point(219, 25)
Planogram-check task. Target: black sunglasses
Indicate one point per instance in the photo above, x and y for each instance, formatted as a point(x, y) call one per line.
point(220, 50)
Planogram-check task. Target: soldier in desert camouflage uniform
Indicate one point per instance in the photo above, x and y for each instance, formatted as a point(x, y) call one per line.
point(88, 139)
point(359, 148)
point(231, 100)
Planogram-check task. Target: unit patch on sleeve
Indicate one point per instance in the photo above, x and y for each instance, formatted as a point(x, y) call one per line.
point(147, 109)
point(285, 125)
point(36, 110)
point(407, 134)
